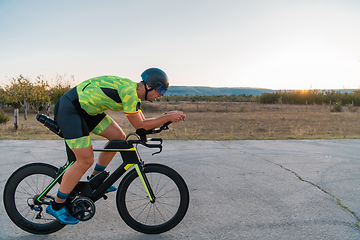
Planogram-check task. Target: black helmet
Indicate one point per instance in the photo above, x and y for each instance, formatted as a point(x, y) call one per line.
point(155, 77)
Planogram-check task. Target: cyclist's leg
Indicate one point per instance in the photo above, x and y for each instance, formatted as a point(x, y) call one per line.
point(110, 130)
point(84, 160)
point(78, 140)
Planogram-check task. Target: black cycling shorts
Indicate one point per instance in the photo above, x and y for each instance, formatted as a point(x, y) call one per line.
point(75, 123)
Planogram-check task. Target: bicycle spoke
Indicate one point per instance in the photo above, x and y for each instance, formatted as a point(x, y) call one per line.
point(28, 189)
point(165, 206)
point(143, 209)
point(31, 185)
point(158, 210)
point(162, 196)
point(164, 185)
point(20, 193)
point(168, 208)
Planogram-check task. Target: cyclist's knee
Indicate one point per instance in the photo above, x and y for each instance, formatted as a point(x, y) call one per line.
point(86, 161)
point(113, 132)
point(84, 156)
point(120, 136)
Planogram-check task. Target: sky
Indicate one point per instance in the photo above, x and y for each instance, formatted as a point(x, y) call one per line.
point(276, 44)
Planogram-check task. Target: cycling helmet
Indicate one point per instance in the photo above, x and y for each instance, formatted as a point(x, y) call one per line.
point(156, 79)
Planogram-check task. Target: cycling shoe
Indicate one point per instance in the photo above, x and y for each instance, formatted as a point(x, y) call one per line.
point(111, 189)
point(62, 215)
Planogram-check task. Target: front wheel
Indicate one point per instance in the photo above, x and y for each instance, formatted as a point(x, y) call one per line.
point(20, 198)
point(168, 209)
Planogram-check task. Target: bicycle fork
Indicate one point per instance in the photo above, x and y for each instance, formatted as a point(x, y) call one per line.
point(145, 181)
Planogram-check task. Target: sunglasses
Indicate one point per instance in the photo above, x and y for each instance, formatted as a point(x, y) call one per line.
point(160, 89)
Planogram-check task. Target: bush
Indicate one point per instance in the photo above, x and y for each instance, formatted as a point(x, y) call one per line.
point(352, 108)
point(3, 117)
point(337, 107)
point(147, 107)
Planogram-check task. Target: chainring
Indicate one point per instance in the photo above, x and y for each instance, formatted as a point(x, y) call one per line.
point(82, 208)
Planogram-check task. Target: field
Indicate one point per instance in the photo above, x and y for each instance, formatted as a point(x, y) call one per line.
point(225, 121)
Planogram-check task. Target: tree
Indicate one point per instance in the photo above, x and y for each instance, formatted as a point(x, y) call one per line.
point(19, 91)
point(60, 88)
point(2, 97)
point(22, 91)
point(39, 94)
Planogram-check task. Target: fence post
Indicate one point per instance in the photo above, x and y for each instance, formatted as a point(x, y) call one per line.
point(48, 109)
point(16, 119)
point(306, 105)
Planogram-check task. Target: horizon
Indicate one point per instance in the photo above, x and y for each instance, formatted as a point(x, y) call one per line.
point(279, 44)
point(6, 82)
point(275, 89)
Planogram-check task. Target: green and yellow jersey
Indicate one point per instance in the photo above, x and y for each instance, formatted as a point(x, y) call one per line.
point(108, 92)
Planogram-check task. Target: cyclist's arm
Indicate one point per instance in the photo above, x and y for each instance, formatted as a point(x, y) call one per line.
point(142, 115)
point(139, 121)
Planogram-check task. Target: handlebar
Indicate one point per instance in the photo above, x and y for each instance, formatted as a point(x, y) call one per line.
point(142, 133)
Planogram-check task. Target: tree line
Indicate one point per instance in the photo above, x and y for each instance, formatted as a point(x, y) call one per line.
point(312, 96)
point(210, 98)
point(38, 94)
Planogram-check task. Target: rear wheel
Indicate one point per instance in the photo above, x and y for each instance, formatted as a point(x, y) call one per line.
point(168, 209)
point(20, 194)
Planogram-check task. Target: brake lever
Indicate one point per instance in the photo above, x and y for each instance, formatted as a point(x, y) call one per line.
point(160, 150)
point(165, 126)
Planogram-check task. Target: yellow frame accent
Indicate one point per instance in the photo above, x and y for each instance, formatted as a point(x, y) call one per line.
point(115, 150)
point(142, 180)
point(128, 166)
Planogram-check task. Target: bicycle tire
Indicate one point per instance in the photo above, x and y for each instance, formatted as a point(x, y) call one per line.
point(21, 189)
point(170, 210)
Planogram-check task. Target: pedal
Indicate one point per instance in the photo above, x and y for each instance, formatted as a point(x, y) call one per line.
point(105, 197)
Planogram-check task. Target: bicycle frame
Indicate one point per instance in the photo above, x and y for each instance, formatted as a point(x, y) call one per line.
point(130, 158)
point(26, 198)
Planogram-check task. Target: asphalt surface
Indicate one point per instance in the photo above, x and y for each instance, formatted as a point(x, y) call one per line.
point(295, 189)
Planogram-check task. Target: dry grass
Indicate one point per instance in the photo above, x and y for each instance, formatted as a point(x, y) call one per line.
point(228, 121)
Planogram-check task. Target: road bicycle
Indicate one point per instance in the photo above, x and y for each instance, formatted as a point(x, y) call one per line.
point(151, 198)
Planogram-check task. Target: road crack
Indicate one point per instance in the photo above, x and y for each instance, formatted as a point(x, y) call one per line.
point(338, 201)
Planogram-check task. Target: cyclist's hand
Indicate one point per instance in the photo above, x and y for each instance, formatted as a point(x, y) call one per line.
point(176, 116)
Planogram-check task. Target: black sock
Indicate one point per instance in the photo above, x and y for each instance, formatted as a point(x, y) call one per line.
point(57, 206)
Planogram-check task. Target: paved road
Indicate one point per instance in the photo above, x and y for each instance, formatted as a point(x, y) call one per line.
point(239, 190)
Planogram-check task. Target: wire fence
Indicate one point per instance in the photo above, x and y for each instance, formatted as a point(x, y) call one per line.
point(187, 106)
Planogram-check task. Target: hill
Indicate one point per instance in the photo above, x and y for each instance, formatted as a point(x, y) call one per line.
point(204, 91)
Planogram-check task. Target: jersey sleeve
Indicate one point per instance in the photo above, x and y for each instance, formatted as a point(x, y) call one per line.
point(130, 101)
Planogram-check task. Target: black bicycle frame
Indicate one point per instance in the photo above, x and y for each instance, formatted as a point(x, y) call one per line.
point(130, 158)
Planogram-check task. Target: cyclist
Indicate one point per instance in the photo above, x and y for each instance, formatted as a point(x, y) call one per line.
point(81, 111)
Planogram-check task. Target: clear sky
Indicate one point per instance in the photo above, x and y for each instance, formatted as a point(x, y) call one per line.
point(277, 44)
